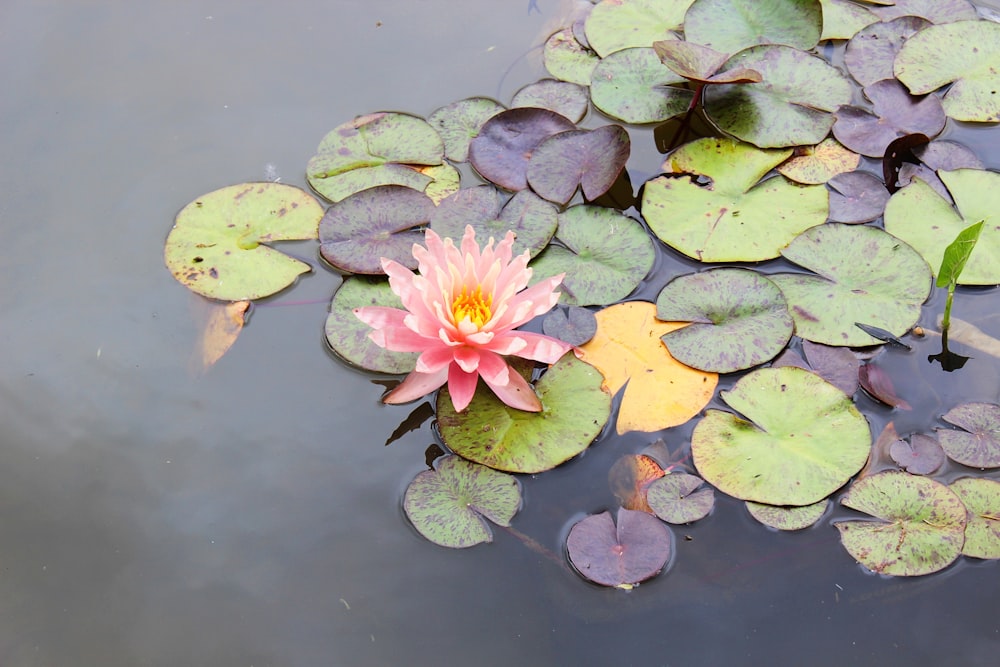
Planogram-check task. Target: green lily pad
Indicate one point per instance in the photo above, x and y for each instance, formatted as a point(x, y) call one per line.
point(372, 150)
point(621, 557)
point(501, 151)
point(870, 53)
point(634, 86)
point(865, 275)
point(978, 445)
point(919, 526)
point(785, 517)
point(567, 99)
point(734, 218)
point(567, 59)
point(574, 410)
point(348, 336)
point(966, 55)
point(739, 319)
point(799, 440)
point(843, 19)
point(897, 114)
point(733, 25)
point(613, 26)
point(856, 197)
point(927, 221)
point(357, 232)
point(458, 123)
point(216, 247)
point(680, 498)
point(790, 107)
point(448, 505)
point(935, 11)
point(604, 254)
point(700, 63)
point(590, 159)
point(982, 498)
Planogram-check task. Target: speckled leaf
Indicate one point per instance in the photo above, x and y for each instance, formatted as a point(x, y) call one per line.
point(738, 317)
point(978, 446)
point(864, 275)
point(478, 206)
point(782, 517)
point(856, 197)
point(590, 159)
point(897, 114)
point(572, 324)
point(445, 181)
point(799, 439)
point(634, 86)
point(836, 365)
point(348, 336)
point(935, 11)
point(871, 52)
point(533, 219)
point(814, 165)
point(630, 477)
point(790, 107)
point(567, 99)
point(574, 410)
point(621, 556)
point(966, 55)
point(922, 455)
point(568, 60)
point(216, 247)
point(458, 123)
point(733, 25)
point(700, 63)
point(947, 155)
point(447, 505)
point(621, 24)
point(920, 526)
point(733, 218)
point(501, 150)
point(843, 19)
point(379, 222)
point(982, 533)
point(680, 498)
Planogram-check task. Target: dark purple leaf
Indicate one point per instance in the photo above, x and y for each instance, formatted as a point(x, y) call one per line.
point(572, 324)
point(897, 114)
point(922, 455)
point(935, 11)
point(948, 155)
point(790, 358)
point(501, 150)
point(909, 171)
point(856, 197)
point(897, 153)
point(877, 382)
point(624, 556)
point(836, 365)
point(870, 53)
point(591, 159)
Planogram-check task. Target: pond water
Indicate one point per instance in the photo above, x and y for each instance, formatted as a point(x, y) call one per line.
point(154, 515)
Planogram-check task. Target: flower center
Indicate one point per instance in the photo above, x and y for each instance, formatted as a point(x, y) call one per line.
point(474, 306)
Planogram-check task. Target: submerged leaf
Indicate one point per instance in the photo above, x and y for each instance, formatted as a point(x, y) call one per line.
point(621, 556)
point(630, 477)
point(225, 322)
point(879, 385)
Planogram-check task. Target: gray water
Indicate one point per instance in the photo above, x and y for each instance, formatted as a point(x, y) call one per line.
point(151, 514)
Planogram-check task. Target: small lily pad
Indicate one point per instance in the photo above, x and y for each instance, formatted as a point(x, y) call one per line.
point(733, 25)
point(982, 498)
point(567, 59)
point(630, 477)
point(978, 444)
point(870, 53)
point(856, 197)
point(836, 365)
point(567, 99)
point(922, 455)
point(459, 122)
point(814, 165)
point(501, 150)
point(919, 524)
point(448, 505)
point(897, 114)
point(613, 26)
point(634, 86)
point(621, 556)
point(572, 324)
point(590, 159)
point(680, 498)
point(788, 517)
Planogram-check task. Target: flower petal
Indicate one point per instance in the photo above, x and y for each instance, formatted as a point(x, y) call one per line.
point(541, 348)
point(434, 359)
point(467, 358)
point(416, 385)
point(461, 386)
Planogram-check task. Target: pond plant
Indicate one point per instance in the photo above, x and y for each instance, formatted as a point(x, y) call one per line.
point(798, 246)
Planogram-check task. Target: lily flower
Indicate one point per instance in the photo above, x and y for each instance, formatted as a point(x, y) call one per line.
point(461, 312)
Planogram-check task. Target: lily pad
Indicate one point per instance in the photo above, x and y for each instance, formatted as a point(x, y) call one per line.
point(733, 25)
point(604, 255)
point(856, 197)
point(680, 498)
point(935, 11)
point(567, 99)
point(448, 505)
point(700, 63)
point(870, 53)
point(836, 365)
point(613, 26)
point(477, 206)
point(978, 444)
point(572, 324)
point(948, 155)
point(630, 477)
point(567, 59)
point(922, 455)
point(634, 86)
point(733, 218)
point(787, 517)
point(884, 283)
point(814, 165)
point(843, 19)
point(501, 150)
point(445, 181)
point(217, 245)
point(919, 526)
point(459, 122)
point(966, 55)
point(348, 336)
point(621, 556)
point(982, 498)
point(590, 159)
point(379, 222)
point(897, 114)
point(799, 440)
point(574, 410)
point(739, 319)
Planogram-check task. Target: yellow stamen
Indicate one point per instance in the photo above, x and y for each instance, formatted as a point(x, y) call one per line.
point(474, 306)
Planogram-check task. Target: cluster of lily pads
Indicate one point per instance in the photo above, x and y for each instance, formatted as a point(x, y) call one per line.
point(769, 183)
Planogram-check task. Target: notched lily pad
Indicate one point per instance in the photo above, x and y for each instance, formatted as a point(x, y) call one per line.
point(572, 324)
point(788, 517)
point(348, 336)
point(814, 165)
point(623, 555)
point(501, 150)
point(935, 11)
point(870, 53)
point(567, 99)
point(922, 455)
point(856, 197)
point(567, 59)
point(459, 122)
point(613, 26)
point(978, 444)
point(896, 114)
point(680, 498)
point(982, 498)
point(634, 86)
point(843, 19)
point(590, 159)
point(732, 25)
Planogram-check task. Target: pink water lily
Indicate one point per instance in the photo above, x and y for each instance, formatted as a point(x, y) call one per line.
point(462, 309)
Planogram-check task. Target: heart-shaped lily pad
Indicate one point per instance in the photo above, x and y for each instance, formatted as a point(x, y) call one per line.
point(613, 26)
point(787, 517)
point(922, 455)
point(379, 222)
point(733, 25)
point(870, 53)
point(572, 324)
point(621, 556)
point(567, 99)
point(348, 336)
point(817, 164)
point(842, 19)
point(680, 498)
point(836, 365)
point(459, 122)
point(216, 247)
point(590, 159)
point(739, 319)
point(501, 150)
point(799, 440)
point(856, 197)
point(567, 59)
point(897, 114)
point(935, 11)
point(883, 283)
point(978, 445)
point(448, 505)
point(634, 86)
point(476, 206)
point(982, 498)
point(919, 526)
point(574, 410)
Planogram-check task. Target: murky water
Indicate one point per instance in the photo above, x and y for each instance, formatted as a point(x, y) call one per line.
point(150, 515)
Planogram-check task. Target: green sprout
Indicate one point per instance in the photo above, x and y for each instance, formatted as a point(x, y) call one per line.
point(956, 255)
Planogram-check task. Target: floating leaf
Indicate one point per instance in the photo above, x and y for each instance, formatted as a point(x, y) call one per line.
point(225, 322)
point(982, 498)
point(477, 206)
point(501, 150)
point(613, 26)
point(733, 218)
point(856, 197)
point(567, 99)
point(836, 365)
point(947, 155)
point(348, 336)
point(604, 255)
point(922, 455)
point(878, 384)
point(621, 556)
point(897, 114)
point(574, 410)
point(733, 25)
point(787, 517)
point(966, 55)
point(884, 284)
point(700, 63)
point(843, 19)
point(567, 59)
point(630, 477)
point(634, 86)
point(360, 230)
point(590, 159)
point(680, 498)
point(448, 505)
point(817, 164)
point(935, 11)
point(978, 446)
point(445, 181)
point(739, 319)
point(661, 392)
point(217, 245)
point(572, 324)
point(799, 440)
point(920, 527)
point(870, 53)
point(459, 122)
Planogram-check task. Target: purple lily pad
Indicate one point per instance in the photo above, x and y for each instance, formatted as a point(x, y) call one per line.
point(979, 445)
point(591, 159)
point(680, 498)
point(879, 385)
point(836, 365)
point(909, 172)
point(359, 230)
point(856, 197)
point(870, 53)
point(935, 11)
point(897, 114)
point(501, 150)
point(469, 206)
point(948, 155)
point(568, 99)
point(574, 325)
point(922, 455)
point(621, 556)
